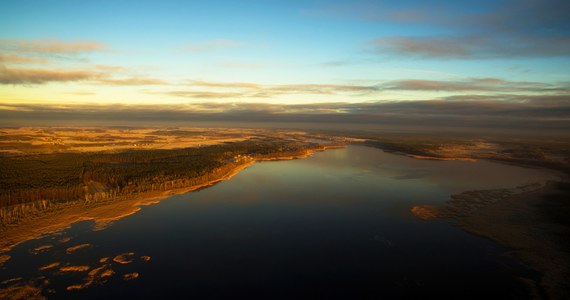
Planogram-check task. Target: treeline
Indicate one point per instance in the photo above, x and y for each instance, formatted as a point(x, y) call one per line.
point(402, 147)
point(48, 179)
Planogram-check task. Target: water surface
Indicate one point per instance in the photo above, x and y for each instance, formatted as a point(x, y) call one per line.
point(335, 225)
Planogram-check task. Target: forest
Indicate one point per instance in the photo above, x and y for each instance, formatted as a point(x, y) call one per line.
point(32, 183)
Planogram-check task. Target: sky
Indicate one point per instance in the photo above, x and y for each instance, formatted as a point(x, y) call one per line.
point(374, 62)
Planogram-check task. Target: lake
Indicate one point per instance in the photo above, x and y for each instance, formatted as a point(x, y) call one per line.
point(335, 225)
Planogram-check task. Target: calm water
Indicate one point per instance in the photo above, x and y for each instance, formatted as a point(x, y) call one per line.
point(336, 225)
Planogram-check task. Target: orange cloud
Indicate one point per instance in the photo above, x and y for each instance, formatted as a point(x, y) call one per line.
point(202, 94)
point(245, 85)
point(532, 115)
point(474, 84)
point(37, 76)
point(53, 46)
point(133, 81)
point(97, 75)
point(255, 90)
point(17, 59)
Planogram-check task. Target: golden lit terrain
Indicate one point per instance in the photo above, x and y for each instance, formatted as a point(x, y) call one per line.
point(84, 139)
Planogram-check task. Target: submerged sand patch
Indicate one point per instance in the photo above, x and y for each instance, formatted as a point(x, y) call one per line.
point(107, 273)
point(41, 248)
point(49, 266)
point(125, 258)
point(425, 212)
point(22, 291)
point(64, 240)
point(71, 250)
point(443, 158)
point(94, 276)
point(74, 268)
point(131, 276)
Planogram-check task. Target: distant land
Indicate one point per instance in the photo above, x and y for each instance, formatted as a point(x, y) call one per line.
point(53, 177)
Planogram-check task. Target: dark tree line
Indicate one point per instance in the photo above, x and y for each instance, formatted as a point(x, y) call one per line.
point(64, 177)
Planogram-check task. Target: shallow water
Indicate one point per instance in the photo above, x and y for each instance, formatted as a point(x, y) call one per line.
point(335, 225)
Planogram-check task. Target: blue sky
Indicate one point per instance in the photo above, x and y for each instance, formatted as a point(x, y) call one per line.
point(281, 52)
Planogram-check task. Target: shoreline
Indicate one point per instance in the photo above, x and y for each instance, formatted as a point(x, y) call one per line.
point(515, 219)
point(442, 158)
point(104, 214)
point(528, 233)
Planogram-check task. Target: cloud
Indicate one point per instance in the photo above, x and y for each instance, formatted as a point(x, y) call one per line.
point(511, 15)
point(17, 59)
point(39, 51)
point(327, 89)
point(201, 94)
point(210, 90)
point(97, 75)
point(487, 112)
point(475, 84)
point(212, 45)
point(473, 46)
point(40, 76)
point(53, 46)
point(549, 100)
point(132, 81)
point(500, 29)
point(374, 11)
point(520, 17)
point(242, 85)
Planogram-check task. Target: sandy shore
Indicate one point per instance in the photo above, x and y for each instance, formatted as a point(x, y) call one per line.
point(443, 158)
point(106, 213)
point(530, 221)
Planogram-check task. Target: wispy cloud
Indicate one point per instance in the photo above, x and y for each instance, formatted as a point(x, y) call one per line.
point(40, 76)
point(41, 51)
point(483, 113)
point(200, 94)
point(242, 85)
point(18, 59)
point(96, 75)
point(321, 89)
point(502, 29)
point(132, 81)
point(210, 90)
point(212, 45)
point(475, 84)
point(54, 46)
point(473, 46)
point(373, 11)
